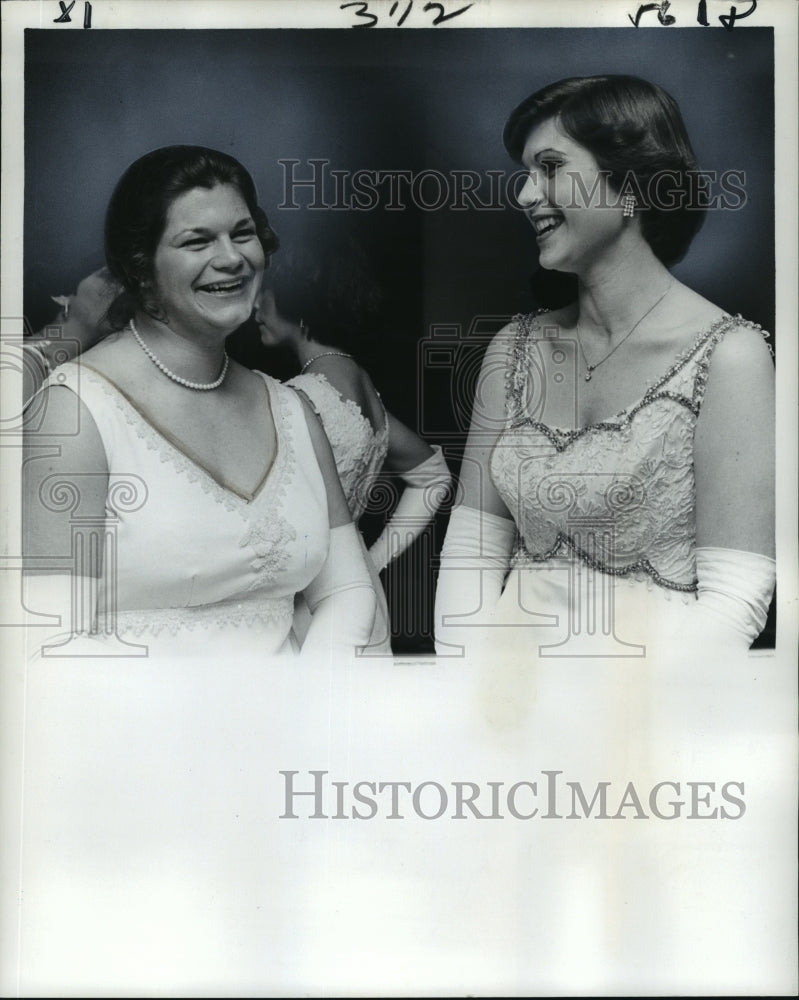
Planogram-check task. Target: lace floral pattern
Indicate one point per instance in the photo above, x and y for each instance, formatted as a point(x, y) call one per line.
point(233, 614)
point(359, 451)
point(269, 532)
point(619, 494)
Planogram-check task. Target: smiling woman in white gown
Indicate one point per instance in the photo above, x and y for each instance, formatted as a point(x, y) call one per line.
point(618, 480)
point(174, 499)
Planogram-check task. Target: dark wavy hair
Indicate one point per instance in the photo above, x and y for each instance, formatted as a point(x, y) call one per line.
point(136, 216)
point(635, 132)
point(327, 281)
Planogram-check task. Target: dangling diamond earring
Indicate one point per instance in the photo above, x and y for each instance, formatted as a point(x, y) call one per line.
point(628, 206)
point(63, 301)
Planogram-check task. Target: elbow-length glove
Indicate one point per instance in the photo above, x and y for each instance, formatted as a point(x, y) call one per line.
point(734, 592)
point(474, 562)
point(341, 597)
point(425, 489)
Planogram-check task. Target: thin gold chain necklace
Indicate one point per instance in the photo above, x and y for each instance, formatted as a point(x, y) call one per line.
point(589, 368)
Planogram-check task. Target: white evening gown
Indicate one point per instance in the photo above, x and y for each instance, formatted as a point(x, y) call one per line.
point(359, 452)
point(192, 566)
point(605, 558)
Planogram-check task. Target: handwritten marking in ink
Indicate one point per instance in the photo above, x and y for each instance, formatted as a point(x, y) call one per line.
point(728, 20)
point(363, 12)
point(407, 11)
point(442, 15)
point(63, 17)
point(661, 8)
point(370, 19)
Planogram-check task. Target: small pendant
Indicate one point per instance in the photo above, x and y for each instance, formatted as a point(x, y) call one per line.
point(588, 375)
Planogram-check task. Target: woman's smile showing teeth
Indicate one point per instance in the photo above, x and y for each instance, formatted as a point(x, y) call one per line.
point(545, 224)
point(230, 287)
point(209, 261)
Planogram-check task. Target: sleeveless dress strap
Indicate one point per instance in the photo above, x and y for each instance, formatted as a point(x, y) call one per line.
point(687, 376)
point(518, 367)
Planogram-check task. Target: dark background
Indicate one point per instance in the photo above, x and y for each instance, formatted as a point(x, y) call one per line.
point(385, 100)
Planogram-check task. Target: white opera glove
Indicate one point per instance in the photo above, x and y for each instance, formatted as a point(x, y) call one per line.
point(341, 597)
point(474, 562)
point(734, 593)
point(425, 490)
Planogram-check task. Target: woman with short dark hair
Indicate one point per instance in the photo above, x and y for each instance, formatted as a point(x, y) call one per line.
point(618, 480)
point(211, 488)
point(635, 132)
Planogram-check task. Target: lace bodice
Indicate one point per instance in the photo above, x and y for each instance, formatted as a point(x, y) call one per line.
point(358, 449)
point(192, 553)
point(618, 494)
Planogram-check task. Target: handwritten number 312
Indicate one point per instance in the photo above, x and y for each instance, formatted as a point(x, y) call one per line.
point(371, 18)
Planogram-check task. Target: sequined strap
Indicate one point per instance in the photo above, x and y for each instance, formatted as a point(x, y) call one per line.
point(685, 379)
point(702, 353)
point(516, 372)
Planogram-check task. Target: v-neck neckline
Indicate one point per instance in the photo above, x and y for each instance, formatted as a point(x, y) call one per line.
point(188, 453)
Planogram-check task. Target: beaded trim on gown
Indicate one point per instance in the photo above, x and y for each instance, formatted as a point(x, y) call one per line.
point(359, 452)
point(197, 565)
point(605, 514)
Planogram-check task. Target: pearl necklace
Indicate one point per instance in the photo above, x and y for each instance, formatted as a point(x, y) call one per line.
point(589, 369)
point(324, 354)
point(199, 386)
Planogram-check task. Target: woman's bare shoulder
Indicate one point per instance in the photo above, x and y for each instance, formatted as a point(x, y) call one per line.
point(345, 375)
point(111, 356)
point(529, 325)
point(698, 316)
point(353, 383)
point(743, 352)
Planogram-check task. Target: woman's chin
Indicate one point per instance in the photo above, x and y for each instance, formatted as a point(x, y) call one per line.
point(229, 315)
point(550, 260)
